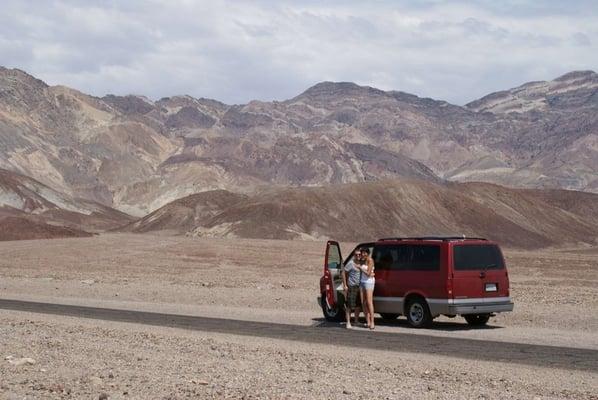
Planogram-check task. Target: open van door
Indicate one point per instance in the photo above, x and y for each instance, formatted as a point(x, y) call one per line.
point(333, 264)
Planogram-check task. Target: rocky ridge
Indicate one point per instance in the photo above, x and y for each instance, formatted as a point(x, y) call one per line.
point(365, 211)
point(136, 154)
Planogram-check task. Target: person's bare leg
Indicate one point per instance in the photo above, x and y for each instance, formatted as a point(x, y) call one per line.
point(361, 298)
point(364, 304)
point(348, 316)
point(370, 299)
point(357, 311)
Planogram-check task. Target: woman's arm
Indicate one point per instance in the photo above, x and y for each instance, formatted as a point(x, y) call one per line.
point(370, 268)
point(367, 269)
point(362, 268)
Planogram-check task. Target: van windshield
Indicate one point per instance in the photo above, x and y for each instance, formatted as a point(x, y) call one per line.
point(474, 257)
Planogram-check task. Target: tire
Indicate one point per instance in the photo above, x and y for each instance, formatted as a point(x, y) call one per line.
point(418, 313)
point(389, 316)
point(336, 314)
point(477, 319)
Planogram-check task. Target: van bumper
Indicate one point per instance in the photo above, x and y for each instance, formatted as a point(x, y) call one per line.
point(471, 306)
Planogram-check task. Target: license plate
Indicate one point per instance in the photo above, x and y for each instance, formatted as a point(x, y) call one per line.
point(491, 287)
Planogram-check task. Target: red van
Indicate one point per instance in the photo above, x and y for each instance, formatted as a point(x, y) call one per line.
point(425, 277)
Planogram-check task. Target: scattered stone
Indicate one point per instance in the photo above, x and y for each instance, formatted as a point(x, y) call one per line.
point(103, 396)
point(21, 361)
point(111, 375)
point(88, 281)
point(96, 381)
point(57, 388)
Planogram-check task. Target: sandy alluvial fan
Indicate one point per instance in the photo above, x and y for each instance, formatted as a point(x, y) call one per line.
point(252, 169)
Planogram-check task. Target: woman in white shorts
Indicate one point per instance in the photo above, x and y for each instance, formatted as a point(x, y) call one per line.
point(366, 286)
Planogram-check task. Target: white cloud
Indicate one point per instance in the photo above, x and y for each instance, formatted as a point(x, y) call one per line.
point(238, 51)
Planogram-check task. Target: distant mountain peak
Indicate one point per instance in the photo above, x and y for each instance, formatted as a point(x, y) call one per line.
point(332, 89)
point(17, 76)
point(331, 85)
point(576, 75)
point(571, 89)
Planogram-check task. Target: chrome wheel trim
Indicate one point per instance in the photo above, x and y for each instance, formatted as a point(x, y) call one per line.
point(416, 312)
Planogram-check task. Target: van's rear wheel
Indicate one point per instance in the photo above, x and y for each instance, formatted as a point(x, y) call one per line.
point(477, 319)
point(389, 316)
point(333, 314)
point(418, 313)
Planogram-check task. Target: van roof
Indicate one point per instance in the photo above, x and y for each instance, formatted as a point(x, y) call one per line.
point(432, 238)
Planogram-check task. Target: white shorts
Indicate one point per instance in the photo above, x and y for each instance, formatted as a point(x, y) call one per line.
point(368, 285)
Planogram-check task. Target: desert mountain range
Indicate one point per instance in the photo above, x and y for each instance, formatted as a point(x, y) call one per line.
point(238, 163)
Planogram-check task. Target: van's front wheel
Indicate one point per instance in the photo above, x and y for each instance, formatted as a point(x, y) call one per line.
point(418, 313)
point(332, 314)
point(477, 319)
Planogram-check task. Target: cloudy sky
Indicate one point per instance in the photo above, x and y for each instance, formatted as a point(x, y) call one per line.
point(235, 51)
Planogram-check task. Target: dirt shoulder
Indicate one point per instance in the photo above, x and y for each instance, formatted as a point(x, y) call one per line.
point(77, 358)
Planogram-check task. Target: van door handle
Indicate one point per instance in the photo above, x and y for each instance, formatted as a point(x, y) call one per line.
point(482, 275)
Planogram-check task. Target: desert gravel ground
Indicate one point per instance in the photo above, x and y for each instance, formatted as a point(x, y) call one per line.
point(555, 291)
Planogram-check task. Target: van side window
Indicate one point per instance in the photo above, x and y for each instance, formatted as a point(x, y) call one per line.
point(384, 257)
point(334, 256)
point(407, 257)
point(418, 258)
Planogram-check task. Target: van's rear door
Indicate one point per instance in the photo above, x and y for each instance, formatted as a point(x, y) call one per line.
point(479, 271)
point(332, 271)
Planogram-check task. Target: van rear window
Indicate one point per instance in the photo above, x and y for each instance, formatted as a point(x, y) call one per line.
point(474, 257)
